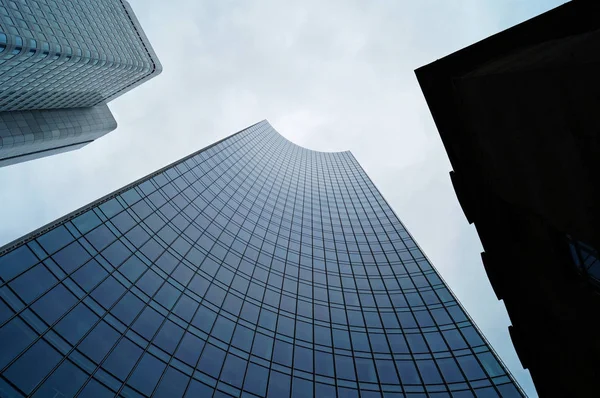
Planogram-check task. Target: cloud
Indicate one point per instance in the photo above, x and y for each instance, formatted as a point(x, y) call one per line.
point(329, 75)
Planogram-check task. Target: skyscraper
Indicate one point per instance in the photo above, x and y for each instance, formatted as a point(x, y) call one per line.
point(60, 63)
point(253, 267)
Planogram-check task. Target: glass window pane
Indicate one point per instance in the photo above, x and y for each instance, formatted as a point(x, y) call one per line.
point(147, 373)
point(122, 359)
point(33, 366)
point(64, 381)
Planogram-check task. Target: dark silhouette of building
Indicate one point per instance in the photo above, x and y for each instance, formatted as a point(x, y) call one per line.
point(61, 61)
point(519, 116)
point(253, 267)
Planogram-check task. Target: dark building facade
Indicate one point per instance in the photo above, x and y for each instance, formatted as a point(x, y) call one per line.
point(61, 61)
point(518, 115)
point(253, 267)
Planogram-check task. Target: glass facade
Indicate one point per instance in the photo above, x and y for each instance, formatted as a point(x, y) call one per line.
point(253, 267)
point(67, 58)
point(70, 53)
point(27, 135)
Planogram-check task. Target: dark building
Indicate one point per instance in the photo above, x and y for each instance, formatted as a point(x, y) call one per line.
point(61, 61)
point(518, 115)
point(253, 267)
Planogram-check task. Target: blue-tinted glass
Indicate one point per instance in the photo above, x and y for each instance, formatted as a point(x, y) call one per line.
point(450, 370)
point(256, 379)
point(283, 353)
point(89, 275)
point(215, 295)
point(132, 268)
point(211, 360)
point(31, 368)
point(122, 359)
point(366, 370)
point(54, 304)
point(16, 261)
point(64, 382)
point(77, 323)
point(33, 283)
point(148, 323)
point(96, 390)
point(279, 385)
point(242, 338)
point(146, 374)
point(152, 249)
point(303, 359)
point(14, 337)
point(167, 295)
point(123, 222)
point(111, 207)
point(100, 237)
point(263, 346)
point(344, 367)
point(387, 371)
point(108, 292)
point(250, 312)
point(472, 336)
point(55, 239)
point(302, 388)
point(325, 390)
point(5, 312)
point(189, 349)
point(454, 339)
point(71, 257)
point(223, 329)
point(86, 222)
point(487, 392)
point(429, 372)
point(416, 343)
point(347, 393)
point(470, 367)
point(167, 262)
point(100, 340)
point(149, 282)
point(197, 389)
point(127, 308)
point(204, 319)
point(490, 364)
point(168, 337)
point(408, 372)
point(509, 391)
point(185, 308)
point(172, 385)
point(233, 370)
point(183, 274)
point(324, 363)
point(116, 253)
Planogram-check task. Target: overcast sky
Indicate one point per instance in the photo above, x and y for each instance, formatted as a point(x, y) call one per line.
point(328, 75)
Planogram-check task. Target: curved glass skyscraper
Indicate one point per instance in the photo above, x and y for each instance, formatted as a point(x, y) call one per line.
point(253, 267)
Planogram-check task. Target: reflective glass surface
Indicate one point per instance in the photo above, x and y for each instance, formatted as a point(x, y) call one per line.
point(70, 53)
point(254, 267)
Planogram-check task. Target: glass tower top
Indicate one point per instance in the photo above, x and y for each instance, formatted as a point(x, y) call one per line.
point(70, 53)
point(253, 267)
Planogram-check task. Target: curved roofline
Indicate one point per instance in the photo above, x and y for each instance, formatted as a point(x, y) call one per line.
point(300, 146)
point(69, 216)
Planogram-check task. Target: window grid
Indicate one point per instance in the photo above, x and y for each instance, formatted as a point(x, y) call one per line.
point(253, 267)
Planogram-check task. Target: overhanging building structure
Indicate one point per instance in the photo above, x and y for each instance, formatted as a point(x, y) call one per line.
point(518, 115)
point(253, 267)
point(61, 61)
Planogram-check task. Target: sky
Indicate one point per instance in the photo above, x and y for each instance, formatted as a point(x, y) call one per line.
point(329, 75)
